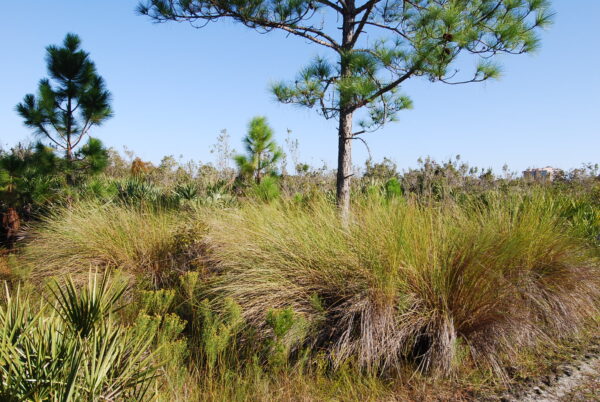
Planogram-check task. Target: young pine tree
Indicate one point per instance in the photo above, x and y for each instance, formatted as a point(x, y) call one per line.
point(68, 105)
point(262, 151)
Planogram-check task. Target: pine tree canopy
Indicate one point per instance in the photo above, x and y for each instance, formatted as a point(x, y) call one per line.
point(68, 103)
point(380, 43)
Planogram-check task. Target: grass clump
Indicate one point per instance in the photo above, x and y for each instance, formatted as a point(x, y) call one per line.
point(150, 243)
point(437, 287)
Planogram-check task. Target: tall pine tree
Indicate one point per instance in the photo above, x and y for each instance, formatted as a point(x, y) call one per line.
point(375, 46)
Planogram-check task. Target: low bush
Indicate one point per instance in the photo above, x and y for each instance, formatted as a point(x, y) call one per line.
point(284, 289)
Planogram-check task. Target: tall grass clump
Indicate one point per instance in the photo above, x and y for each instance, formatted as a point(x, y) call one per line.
point(435, 286)
point(150, 243)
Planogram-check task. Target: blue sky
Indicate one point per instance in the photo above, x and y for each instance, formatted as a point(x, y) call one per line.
point(175, 88)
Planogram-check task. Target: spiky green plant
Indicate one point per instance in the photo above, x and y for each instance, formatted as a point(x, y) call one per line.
point(83, 309)
point(74, 351)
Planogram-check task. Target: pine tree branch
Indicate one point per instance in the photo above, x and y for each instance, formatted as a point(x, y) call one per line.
point(332, 5)
point(313, 34)
point(367, 6)
point(383, 90)
point(47, 134)
point(392, 29)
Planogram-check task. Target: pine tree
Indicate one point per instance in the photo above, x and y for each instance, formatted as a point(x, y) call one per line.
point(375, 46)
point(262, 151)
point(68, 105)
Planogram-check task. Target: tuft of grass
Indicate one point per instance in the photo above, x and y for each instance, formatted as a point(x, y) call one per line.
point(437, 286)
point(150, 243)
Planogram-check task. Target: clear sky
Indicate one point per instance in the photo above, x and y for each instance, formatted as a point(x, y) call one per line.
point(176, 87)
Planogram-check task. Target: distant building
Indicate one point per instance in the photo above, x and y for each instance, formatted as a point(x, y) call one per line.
point(542, 174)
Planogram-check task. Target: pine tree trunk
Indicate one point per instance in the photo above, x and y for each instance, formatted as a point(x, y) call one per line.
point(69, 159)
point(69, 148)
point(344, 172)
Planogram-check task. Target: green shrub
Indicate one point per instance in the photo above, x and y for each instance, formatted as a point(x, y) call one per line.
point(289, 329)
point(393, 188)
point(267, 190)
point(218, 330)
point(156, 302)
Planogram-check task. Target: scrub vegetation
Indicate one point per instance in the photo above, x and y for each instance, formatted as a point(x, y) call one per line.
point(446, 282)
point(271, 280)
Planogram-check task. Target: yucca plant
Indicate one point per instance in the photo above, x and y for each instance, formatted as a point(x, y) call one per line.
point(187, 191)
point(134, 190)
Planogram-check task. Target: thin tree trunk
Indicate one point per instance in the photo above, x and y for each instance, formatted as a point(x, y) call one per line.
point(344, 172)
point(69, 153)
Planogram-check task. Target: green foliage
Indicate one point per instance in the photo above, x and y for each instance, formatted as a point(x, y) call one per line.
point(218, 329)
point(424, 39)
point(280, 321)
point(187, 191)
point(262, 151)
point(68, 104)
point(393, 188)
point(46, 356)
point(33, 176)
point(384, 170)
point(288, 329)
point(82, 310)
point(165, 334)
point(156, 302)
point(267, 190)
point(28, 176)
point(134, 190)
point(92, 158)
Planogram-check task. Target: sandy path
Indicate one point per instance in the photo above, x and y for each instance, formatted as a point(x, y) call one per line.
point(579, 381)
